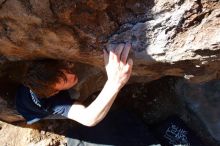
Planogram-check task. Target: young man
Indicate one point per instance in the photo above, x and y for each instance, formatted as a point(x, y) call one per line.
point(43, 94)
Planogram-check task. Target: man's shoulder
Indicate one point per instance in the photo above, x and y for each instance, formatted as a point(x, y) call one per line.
point(27, 99)
point(26, 106)
point(32, 107)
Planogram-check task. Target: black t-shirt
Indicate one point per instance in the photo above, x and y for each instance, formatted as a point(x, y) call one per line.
point(33, 108)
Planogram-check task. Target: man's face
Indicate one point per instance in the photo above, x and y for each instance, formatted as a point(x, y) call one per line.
point(64, 85)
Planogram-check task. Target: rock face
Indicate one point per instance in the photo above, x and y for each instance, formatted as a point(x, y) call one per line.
point(169, 37)
point(203, 100)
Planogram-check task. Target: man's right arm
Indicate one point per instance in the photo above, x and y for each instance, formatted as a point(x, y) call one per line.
point(118, 71)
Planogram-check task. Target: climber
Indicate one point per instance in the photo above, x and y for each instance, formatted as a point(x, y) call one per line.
point(43, 93)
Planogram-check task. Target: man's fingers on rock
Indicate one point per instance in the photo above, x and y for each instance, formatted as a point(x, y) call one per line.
point(112, 56)
point(118, 50)
point(110, 49)
point(106, 56)
point(129, 64)
point(125, 52)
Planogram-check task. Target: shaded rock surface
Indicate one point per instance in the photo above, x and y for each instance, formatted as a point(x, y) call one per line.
point(197, 104)
point(204, 101)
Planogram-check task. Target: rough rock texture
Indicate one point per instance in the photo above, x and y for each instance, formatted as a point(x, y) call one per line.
point(169, 37)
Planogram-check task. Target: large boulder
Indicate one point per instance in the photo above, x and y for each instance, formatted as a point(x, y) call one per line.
point(169, 37)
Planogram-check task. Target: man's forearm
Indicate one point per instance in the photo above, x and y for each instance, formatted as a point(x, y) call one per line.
point(98, 109)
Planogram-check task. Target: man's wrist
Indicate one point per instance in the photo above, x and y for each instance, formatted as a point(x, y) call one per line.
point(113, 85)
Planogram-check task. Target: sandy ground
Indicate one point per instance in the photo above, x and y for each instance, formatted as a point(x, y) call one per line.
point(28, 136)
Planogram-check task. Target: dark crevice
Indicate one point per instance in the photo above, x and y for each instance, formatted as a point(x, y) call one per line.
point(111, 17)
point(131, 12)
point(207, 52)
point(27, 5)
point(137, 17)
point(3, 59)
point(169, 29)
point(142, 21)
point(51, 8)
point(6, 29)
point(216, 45)
point(194, 16)
point(130, 26)
point(180, 2)
point(2, 3)
point(13, 42)
point(198, 19)
point(200, 6)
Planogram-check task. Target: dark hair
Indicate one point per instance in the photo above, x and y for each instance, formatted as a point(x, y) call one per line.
point(41, 75)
